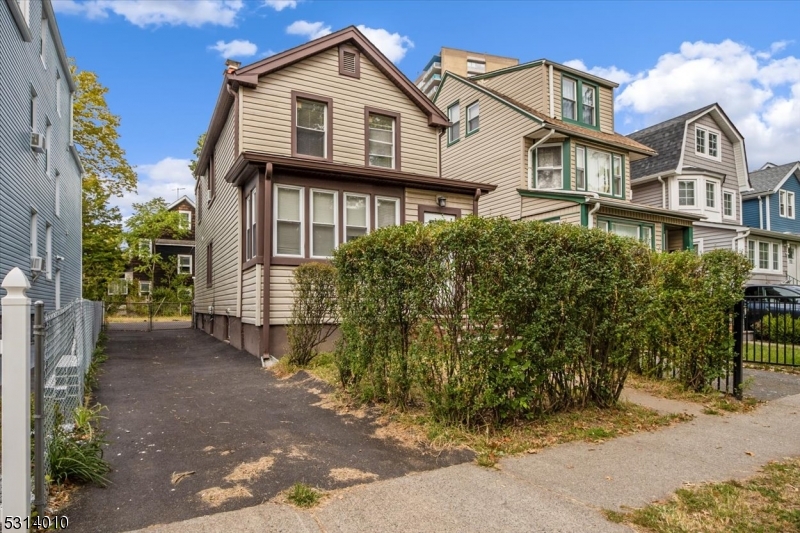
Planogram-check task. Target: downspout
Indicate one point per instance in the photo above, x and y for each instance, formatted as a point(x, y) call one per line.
point(552, 101)
point(475, 202)
point(760, 213)
point(590, 221)
point(663, 192)
point(738, 238)
point(266, 359)
point(766, 213)
point(530, 156)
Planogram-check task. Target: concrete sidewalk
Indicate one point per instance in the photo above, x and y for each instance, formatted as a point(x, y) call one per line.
point(560, 489)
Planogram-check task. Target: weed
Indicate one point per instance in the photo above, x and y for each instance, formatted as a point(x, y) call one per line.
point(303, 495)
point(486, 459)
point(77, 455)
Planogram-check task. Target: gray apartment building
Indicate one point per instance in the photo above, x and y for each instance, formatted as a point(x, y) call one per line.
point(40, 170)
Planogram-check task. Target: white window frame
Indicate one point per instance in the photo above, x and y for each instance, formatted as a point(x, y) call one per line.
point(141, 285)
point(188, 218)
point(614, 176)
point(276, 220)
point(473, 106)
point(311, 222)
point(191, 265)
point(725, 212)
point(593, 121)
point(560, 168)
point(34, 111)
point(580, 164)
point(48, 250)
point(706, 148)
point(454, 123)
point(713, 197)
point(57, 187)
point(43, 43)
point(325, 126)
point(790, 204)
point(366, 208)
point(786, 204)
point(754, 249)
point(782, 203)
point(25, 7)
point(48, 164)
point(251, 225)
point(396, 210)
point(34, 234)
point(698, 246)
point(694, 193)
point(58, 93)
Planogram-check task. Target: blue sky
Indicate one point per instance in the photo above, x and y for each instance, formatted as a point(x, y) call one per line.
point(162, 60)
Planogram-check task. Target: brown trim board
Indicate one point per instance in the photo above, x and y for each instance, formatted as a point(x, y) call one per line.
point(353, 50)
point(265, 179)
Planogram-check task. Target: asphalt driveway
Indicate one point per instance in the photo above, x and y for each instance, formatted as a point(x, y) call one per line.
point(180, 401)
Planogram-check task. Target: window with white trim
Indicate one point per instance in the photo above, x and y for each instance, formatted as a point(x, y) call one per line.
point(603, 171)
point(34, 111)
point(57, 185)
point(144, 288)
point(58, 93)
point(48, 131)
point(312, 128)
point(473, 117)
point(387, 212)
point(635, 230)
point(617, 176)
point(706, 142)
point(186, 219)
point(356, 216)
point(727, 204)
point(711, 195)
point(382, 140)
point(764, 255)
point(184, 264)
point(324, 223)
point(588, 107)
point(43, 43)
point(34, 234)
point(786, 204)
point(549, 167)
point(454, 116)
point(289, 221)
point(251, 224)
point(580, 168)
point(686, 196)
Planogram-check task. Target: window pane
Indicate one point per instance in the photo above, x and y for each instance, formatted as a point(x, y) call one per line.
point(710, 195)
point(356, 211)
point(568, 88)
point(775, 256)
point(354, 233)
point(727, 199)
point(580, 172)
point(311, 115)
point(288, 238)
point(568, 109)
point(381, 122)
point(763, 255)
point(549, 156)
point(324, 240)
point(617, 176)
point(568, 99)
point(381, 135)
point(311, 142)
point(647, 235)
point(598, 171)
point(289, 204)
point(686, 193)
point(430, 217)
point(453, 114)
point(381, 148)
point(473, 117)
point(712, 144)
point(700, 140)
point(548, 179)
point(625, 230)
point(751, 252)
point(588, 105)
point(323, 207)
point(386, 213)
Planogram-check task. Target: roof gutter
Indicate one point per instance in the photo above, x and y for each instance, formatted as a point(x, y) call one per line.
point(47, 6)
point(530, 155)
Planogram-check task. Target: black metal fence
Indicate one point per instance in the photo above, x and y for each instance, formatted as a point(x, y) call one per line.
point(149, 316)
point(771, 330)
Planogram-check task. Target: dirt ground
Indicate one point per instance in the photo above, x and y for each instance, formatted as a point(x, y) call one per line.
point(197, 427)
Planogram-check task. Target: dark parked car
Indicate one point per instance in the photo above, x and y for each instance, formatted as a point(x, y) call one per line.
point(771, 300)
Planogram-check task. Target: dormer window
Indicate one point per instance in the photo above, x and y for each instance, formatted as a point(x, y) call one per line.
point(548, 167)
point(569, 104)
point(686, 193)
point(588, 115)
point(706, 142)
point(578, 101)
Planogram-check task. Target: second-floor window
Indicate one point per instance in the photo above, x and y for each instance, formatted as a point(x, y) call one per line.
point(311, 128)
point(548, 167)
point(711, 195)
point(578, 101)
point(727, 204)
point(186, 219)
point(686, 193)
point(588, 105)
point(569, 102)
point(382, 140)
point(473, 117)
point(706, 142)
point(454, 116)
point(599, 171)
point(786, 204)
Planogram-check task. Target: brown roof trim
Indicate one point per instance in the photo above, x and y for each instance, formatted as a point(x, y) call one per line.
point(221, 109)
point(242, 168)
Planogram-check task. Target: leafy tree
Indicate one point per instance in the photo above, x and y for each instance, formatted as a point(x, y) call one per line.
point(107, 173)
point(197, 149)
point(150, 221)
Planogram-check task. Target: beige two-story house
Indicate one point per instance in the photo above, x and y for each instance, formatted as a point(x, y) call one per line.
point(543, 133)
point(308, 149)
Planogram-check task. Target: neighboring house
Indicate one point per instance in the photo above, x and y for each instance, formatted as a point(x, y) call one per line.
point(459, 62)
point(307, 149)
point(770, 209)
point(543, 133)
point(701, 168)
point(40, 173)
point(181, 249)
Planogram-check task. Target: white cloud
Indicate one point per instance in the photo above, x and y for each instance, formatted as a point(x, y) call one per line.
point(144, 13)
point(159, 179)
point(393, 45)
point(607, 73)
point(235, 48)
point(310, 30)
point(280, 5)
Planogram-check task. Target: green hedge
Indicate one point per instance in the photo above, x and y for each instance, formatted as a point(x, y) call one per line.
point(780, 328)
point(491, 320)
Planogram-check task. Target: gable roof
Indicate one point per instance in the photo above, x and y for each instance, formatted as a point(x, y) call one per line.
point(771, 178)
point(667, 139)
point(248, 76)
point(614, 139)
point(580, 73)
point(183, 198)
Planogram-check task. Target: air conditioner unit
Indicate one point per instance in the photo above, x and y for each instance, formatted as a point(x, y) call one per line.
point(37, 142)
point(37, 264)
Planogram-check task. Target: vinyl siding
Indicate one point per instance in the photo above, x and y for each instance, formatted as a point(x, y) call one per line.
point(527, 86)
point(649, 194)
point(690, 159)
point(220, 225)
point(539, 208)
point(605, 101)
point(417, 197)
point(715, 238)
point(251, 297)
point(495, 154)
point(280, 290)
point(785, 224)
point(24, 183)
point(267, 122)
point(750, 213)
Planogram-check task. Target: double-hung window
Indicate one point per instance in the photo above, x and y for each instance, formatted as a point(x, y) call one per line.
point(549, 167)
point(473, 117)
point(356, 216)
point(48, 131)
point(324, 227)
point(727, 204)
point(382, 144)
point(387, 212)
point(706, 142)
point(599, 171)
point(588, 107)
point(580, 168)
point(569, 102)
point(786, 204)
point(186, 219)
point(311, 131)
point(686, 196)
point(764, 255)
point(454, 116)
point(144, 288)
point(34, 234)
point(578, 101)
point(251, 224)
point(184, 264)
point(616, 185)
point(711, 195)
point(289, 223)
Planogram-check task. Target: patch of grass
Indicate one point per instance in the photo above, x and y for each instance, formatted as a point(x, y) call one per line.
point(768, 503)
point(77, 455)
point(322, 367)
point(713, 400)
point(765, 352)
point(303, 495)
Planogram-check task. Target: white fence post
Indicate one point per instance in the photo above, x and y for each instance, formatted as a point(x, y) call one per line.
point(16, 412)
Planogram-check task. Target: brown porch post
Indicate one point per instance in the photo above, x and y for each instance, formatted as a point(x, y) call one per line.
point(266, 182)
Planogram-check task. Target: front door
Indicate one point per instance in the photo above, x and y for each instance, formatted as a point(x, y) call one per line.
point(794, 265)
point(429, 217)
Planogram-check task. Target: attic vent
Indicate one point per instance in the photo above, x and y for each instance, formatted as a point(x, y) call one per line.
point(349, 62)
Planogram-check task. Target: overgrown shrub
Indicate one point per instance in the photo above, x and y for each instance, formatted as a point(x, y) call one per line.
point(780, 328)
point(689, 326)
point(314, 311)
point(490, 319)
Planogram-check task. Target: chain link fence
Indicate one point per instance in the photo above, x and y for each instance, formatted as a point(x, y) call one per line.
point(149, 316)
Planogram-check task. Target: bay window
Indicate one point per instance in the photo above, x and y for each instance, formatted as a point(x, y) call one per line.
point(356, 216)
point(549, 167)
point(387, 212)
point(323, 223)
point(763, 255)
point(289, 221)
point(686, 192)
point(598, 171)
point(727, 204)
point(711, 196)
point(382, 140)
